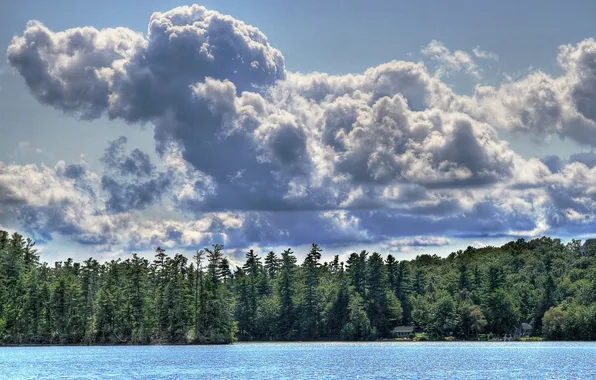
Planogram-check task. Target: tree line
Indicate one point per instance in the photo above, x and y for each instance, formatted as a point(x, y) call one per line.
point(204, 299)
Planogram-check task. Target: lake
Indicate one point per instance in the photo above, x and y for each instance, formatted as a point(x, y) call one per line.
point(470, 360)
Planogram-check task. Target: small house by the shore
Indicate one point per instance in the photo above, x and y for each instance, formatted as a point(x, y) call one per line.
point(526, 329)
point(403, 331)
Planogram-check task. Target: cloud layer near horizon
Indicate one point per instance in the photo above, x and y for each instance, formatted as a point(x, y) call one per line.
point(252, 153)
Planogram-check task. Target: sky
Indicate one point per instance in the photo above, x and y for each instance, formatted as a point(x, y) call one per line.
point(398, 127)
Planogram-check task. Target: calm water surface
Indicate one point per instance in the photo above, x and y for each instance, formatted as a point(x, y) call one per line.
point(305, 361)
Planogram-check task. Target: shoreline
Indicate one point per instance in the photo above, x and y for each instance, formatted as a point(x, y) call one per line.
point(290, 342)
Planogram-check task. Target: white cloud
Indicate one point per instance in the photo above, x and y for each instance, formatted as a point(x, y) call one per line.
point(478, 244)
point(450, 62)
point(483, 54)
point(415, 243)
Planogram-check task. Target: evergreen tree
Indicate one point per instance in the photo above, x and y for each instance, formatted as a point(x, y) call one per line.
point(357, 271)
point(286, 295)
point(311, 317)
point(358, 326)
point(159, 304)
point(272, 265)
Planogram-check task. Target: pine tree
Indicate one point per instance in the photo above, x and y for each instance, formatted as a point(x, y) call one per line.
point(217, 317)
point(286, 295)
point(357, 271)
point(311, 318)
point(272, 265)
point(160, 277)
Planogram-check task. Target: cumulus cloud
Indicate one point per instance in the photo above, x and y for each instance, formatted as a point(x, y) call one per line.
point(253, 153)
point(533, 105)
point(88, 72)
point(540, 105)
point(580, 66)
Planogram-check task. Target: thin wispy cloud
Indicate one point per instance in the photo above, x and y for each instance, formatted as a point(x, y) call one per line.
point(484, 54)
point(450, 62)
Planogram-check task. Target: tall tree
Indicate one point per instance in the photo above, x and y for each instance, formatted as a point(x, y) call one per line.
point(286, 295)
point(272, 265)
point(312, 317)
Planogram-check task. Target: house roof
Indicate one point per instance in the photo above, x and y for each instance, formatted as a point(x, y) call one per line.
point(526, 326)
point(405, 329)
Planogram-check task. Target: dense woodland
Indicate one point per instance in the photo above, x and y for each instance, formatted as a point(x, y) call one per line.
point(203, 299)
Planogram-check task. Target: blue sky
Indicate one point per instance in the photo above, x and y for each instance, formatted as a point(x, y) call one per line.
point(272, 155)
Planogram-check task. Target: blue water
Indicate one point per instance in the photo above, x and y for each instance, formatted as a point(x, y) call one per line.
point(494, 360)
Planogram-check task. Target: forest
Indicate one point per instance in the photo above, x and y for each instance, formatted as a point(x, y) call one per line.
point(172, 299)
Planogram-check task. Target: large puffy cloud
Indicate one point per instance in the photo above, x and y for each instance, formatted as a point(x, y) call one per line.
point(73, 70)
point(533, 105)
point(88, 71)
point(541, 105)
point(409, 79)
point(432, 148)
point(579, 62)
point(252, 153)
point(393, 124)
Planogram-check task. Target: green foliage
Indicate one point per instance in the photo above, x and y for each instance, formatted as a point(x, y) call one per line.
point(421, 337)
point(532, 339)
point(570, 321)
point(358, 326)
point(477, 294)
